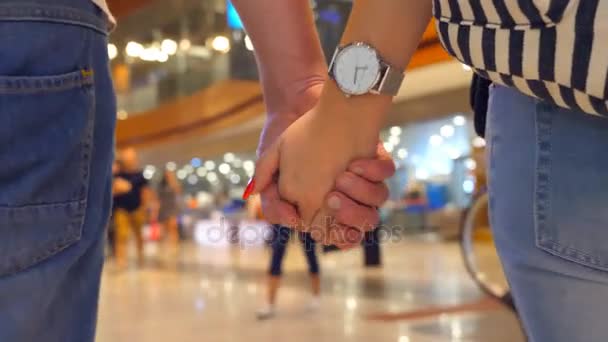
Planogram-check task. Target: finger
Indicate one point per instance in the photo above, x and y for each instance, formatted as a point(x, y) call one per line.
point(349, 213)
point(328, 231)
point(372, 194)
point(276, 210)
point(375, 170)
point(265, 169)
point(346, 238)
point(382, 152)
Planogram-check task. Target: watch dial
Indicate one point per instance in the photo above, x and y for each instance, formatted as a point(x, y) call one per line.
point(357, 69)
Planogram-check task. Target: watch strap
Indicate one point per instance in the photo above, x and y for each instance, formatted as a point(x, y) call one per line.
point(391, 81)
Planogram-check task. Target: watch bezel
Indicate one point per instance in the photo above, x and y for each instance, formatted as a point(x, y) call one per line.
point(340, 51)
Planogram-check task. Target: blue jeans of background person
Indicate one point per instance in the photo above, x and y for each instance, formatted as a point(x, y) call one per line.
point(57, 116)
point(548, 202)
point(279, 243)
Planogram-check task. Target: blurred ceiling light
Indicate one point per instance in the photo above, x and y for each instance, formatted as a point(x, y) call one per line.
point(248, 43)
point(182, 174)
point(229, 157)
point(479, 142)
point(171, 166)
point(224, 168)
point(112, 51)
point(402, 153)
point(212, 177)
point(122, 115)
point(454, 154)
point(189, 168)
point(388, 147)
point(447, 131)
point(192, 179)
point(459, 120)
point(148, 54)
point(201, 172)
point(470, 164)
point(153, 54)
point(185, 44)
point(235, 179)
point(221, 44)
point(210, 165)
point(394, 140)
point(248, 165)
point(149, 171)
point(134, 49)
point(468, 186)
point(196, 162)
point(237, 163)
point(435, 140)
point(422, 174)
point(396, 130)
point(169, 46)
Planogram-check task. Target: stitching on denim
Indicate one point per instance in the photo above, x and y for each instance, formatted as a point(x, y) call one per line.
point(33, 85)
point(73, 232)
point(64, 242)
point(542, 206)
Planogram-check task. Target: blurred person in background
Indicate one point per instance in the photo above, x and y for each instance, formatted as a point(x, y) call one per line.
point(546, 127)
point(169, 192)
point(279, 242)
point(132, 208)
point(120, 186)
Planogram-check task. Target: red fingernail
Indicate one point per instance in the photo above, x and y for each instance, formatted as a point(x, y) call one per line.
point(249, 189)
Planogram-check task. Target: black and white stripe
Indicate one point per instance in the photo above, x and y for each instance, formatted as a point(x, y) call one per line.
point(556, 50)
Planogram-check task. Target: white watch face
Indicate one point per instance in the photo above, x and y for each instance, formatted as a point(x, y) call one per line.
point(357, 69)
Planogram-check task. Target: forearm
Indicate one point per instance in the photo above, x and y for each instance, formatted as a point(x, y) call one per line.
point(287, 49)
point(394, 28)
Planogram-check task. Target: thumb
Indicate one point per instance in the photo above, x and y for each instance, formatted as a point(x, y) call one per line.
point(265, 169)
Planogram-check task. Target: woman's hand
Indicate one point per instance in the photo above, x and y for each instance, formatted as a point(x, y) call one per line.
point(310, 155)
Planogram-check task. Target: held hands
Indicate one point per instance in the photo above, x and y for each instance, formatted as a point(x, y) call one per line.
point(335, 198)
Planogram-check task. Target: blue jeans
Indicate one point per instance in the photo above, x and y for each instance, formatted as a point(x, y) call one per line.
point(57, 116)
point(279, 243)
point(548, 202)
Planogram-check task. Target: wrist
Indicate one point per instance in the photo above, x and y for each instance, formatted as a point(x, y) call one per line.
point(361, 117)
point(295, 96)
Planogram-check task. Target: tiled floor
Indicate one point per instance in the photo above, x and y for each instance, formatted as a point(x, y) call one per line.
point(211, 294)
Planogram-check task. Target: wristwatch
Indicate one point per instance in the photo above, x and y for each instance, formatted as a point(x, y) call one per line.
point(359, 69)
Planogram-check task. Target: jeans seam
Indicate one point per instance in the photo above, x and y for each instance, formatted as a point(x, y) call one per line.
point(542, 206)
point(43, 84)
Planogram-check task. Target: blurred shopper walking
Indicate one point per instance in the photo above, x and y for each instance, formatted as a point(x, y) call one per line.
point(120, 186)
point(280, 240)
point(546, 127)
point(169, 191)
point(132, 208)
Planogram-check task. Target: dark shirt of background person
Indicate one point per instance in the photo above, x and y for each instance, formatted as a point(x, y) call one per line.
point(132, 200)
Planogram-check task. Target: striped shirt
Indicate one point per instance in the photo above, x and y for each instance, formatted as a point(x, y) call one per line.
point(555, 50)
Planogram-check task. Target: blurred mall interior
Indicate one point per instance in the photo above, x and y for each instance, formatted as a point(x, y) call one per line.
point(191, 107)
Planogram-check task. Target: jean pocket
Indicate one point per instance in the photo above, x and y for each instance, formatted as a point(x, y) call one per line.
point(45, 153)
point(571, 186)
